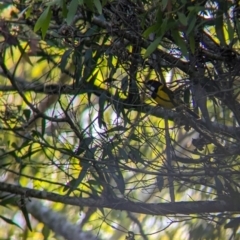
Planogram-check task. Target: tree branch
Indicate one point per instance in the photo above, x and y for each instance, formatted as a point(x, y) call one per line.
point(197, 207)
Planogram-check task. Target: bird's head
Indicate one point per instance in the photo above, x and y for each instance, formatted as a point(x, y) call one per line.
point(153, 85)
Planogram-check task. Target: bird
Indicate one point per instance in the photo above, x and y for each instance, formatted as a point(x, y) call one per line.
point(165, 97)
point(162, 94)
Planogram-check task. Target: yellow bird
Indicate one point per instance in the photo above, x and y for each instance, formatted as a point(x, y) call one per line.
point(165, 97)
point(162, 94)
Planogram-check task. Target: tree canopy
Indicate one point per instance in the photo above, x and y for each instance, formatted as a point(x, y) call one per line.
point(86, 153)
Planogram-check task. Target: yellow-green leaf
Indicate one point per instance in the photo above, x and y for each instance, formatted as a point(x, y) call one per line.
point(43, 21)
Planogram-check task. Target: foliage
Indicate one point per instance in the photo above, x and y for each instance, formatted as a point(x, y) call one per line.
point(77, 120)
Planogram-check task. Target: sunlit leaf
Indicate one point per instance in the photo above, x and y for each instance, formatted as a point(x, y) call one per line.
point(43, 21)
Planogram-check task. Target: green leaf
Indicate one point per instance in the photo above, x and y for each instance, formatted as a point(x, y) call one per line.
point(104, 2)
point(180, 43)
point(152, 29)
point(43, 21)
point(123, 154)
point(93, 182)
point(28, 11)
point(135, 155)
point(74, 183)
point(124, 84)
point(118, 105)
point(135, 137)
point(152, 47)
point(64, 8)
point(64, 59)
point(9, 221)
point(8, 199)
point(117, 128)
point(160, 182)
point(89, 4)
point(88, 56)
point(192, 22)
point(43, 126)
point(98, 6)
point(219, 29)
point(186, 96)
point(120, 182)
point(238, 28)
point(77, 59)
point(159, 17)
point(46, 232)
point(84, 145)
point(25, 214)
point(164, 4)
point(192, 43)
point(118, 177)
point(72, 9)
point(230, 30)
point(234, 223)
point(27, 114)
point(23, 53)
point(14, 145)
point(93, 78)
point(196, 9)
point(101, 102)
point(219, 185)
point(230, 189)
point(182, 18)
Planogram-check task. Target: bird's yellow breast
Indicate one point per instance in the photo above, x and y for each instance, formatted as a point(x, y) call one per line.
point(163, 98)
